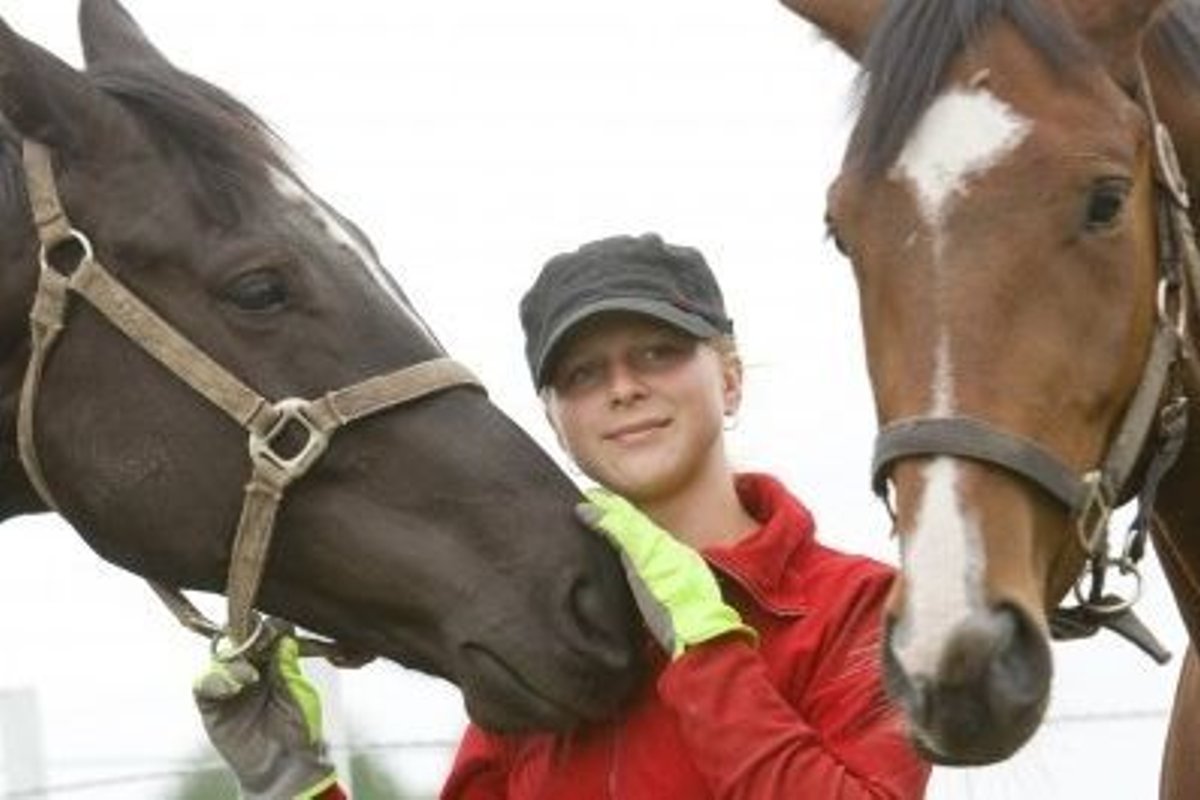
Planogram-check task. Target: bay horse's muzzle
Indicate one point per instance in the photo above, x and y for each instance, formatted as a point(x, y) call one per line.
point(989, 691)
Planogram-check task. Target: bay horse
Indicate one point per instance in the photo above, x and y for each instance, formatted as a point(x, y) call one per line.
point(1008, 209)
point(186, 292)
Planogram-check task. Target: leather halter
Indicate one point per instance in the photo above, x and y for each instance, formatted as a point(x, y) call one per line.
point(271, 470)
point(1090, 496)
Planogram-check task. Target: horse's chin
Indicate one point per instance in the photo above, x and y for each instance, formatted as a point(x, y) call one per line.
point(498, 698)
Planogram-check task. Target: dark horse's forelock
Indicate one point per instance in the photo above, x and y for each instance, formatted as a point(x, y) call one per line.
point(1179, 34)
point(221, 148)
point(912, 46)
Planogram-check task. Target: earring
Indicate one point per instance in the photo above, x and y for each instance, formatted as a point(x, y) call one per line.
point(731, 421)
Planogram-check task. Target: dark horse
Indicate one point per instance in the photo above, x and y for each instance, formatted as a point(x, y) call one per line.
point(433, 533)
point(1007, 208)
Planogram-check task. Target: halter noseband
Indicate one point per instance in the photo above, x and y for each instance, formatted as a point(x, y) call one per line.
point(272, 471)
point(1091, 496)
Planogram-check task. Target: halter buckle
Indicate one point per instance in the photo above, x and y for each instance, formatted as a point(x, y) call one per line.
point(262, 445)
point(1091, 521)
point(1168, 165)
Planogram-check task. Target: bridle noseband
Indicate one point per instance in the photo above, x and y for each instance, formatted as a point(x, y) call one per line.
point(1150, 435)
point(272, 470)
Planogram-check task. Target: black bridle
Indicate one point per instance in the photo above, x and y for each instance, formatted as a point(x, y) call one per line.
point(1146, 444)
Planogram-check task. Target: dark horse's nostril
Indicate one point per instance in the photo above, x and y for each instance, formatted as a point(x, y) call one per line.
point(587, 618)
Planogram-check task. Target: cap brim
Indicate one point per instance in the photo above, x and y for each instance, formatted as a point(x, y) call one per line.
point(674, 316)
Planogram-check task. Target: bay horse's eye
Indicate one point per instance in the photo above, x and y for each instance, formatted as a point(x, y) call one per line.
point(1105, 202)
point(259, 291)
point(831, 233)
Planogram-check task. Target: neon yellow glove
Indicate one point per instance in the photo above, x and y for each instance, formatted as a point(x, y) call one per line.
point(674, 589)
point(264, 718)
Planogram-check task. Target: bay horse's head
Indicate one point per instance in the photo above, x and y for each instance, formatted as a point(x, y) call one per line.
point(997, 203)
point(433, 533)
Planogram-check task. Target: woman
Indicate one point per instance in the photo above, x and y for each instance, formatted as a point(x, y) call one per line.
point(764, 643)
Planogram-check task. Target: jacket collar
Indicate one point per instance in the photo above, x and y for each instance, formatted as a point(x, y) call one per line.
point(759, 560)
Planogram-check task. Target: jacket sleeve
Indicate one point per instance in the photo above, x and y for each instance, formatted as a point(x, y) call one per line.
point(480, 770)
point(838, 738)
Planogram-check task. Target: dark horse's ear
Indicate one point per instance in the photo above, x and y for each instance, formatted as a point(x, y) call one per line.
point(111, 36)
point(847, 23)
point(45, 99)
point(1116, 28)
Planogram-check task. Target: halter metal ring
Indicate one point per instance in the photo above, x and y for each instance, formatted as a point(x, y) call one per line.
point(73, 235)
point(1111, 604)
point(236, 651)
point(262, 450)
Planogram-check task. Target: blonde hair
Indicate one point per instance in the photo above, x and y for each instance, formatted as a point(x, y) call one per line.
point(726, 347)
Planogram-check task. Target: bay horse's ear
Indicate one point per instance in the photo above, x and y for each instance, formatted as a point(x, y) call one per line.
point(110, 35)
point(847, 23)
point(1116, 28)
point(45, 99)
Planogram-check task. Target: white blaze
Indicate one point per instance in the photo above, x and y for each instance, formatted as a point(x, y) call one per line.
point(964, 133)
point(337, 231)
point(943, 555)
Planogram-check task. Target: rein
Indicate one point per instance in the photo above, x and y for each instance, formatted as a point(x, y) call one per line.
point(1155, 422)
point(271, 471)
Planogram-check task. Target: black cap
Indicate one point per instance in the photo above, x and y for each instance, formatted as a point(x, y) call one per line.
point(639, 274)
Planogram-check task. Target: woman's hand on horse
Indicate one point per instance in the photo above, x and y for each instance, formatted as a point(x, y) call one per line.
point(264, 718)
point(675, 590)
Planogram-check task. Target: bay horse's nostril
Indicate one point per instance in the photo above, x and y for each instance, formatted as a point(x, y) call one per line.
point(1021, 669)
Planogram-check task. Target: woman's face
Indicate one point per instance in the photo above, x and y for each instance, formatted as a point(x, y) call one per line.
point(639, 405)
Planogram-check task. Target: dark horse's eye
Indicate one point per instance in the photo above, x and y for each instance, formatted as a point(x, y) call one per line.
point(1105, 202)
point(260, 291)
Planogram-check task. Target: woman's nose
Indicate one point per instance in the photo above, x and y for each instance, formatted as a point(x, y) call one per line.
point(624, 384)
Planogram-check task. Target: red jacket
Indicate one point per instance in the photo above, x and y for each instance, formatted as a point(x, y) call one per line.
point(800, 716)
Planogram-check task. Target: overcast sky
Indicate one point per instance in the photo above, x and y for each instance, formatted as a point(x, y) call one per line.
point(471, 140)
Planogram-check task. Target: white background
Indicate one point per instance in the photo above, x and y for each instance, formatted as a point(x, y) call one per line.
point(472, 140)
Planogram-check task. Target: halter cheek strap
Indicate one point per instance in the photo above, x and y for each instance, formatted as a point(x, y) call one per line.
point(1155, 424)
point(271, 471)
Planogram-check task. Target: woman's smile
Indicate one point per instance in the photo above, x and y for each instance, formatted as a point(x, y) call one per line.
point(636, 432)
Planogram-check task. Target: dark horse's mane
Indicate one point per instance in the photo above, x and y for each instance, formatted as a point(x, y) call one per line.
point(914, 42)
point(220, 147)
point(1179, 34)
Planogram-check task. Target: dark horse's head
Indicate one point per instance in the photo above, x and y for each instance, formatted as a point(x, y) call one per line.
point(997, 203)
point(435, 534)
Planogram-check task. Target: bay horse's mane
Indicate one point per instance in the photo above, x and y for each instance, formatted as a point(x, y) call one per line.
point(220, 148)
point(913, 44)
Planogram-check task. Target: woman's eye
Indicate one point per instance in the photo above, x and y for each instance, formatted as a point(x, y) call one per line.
point(1105, 203)
point(260, 291)
point(661, 354)
point(579, 376)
